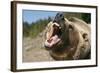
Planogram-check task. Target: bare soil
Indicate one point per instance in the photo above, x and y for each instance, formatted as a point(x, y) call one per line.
point(34, 51)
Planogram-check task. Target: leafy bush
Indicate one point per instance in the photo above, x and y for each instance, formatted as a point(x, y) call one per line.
point(33, 29)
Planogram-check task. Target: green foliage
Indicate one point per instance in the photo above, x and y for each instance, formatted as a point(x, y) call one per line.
point(33, 29)
point(84, 16)
point(26, 28)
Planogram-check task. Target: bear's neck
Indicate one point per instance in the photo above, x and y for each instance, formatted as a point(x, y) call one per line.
point(63, 54)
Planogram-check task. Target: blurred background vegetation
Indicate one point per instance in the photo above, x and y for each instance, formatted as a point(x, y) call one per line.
point(34, 28)
point(84, 16)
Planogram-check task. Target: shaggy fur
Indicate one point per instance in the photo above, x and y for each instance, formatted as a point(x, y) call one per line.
point(68, 39)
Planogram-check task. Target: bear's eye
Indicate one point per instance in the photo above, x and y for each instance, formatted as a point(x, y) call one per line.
point(70, 27)
point(85, 36)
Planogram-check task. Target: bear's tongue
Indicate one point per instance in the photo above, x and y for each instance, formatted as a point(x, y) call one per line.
point(53, 40)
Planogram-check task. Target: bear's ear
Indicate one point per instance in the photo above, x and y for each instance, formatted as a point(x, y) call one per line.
point(59, 17)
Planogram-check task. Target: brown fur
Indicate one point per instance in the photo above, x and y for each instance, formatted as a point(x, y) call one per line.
point(75, 40)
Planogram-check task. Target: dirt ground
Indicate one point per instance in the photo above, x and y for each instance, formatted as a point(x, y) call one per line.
point(34, 51)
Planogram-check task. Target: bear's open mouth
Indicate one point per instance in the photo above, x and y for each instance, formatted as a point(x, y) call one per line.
point(54, 38)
